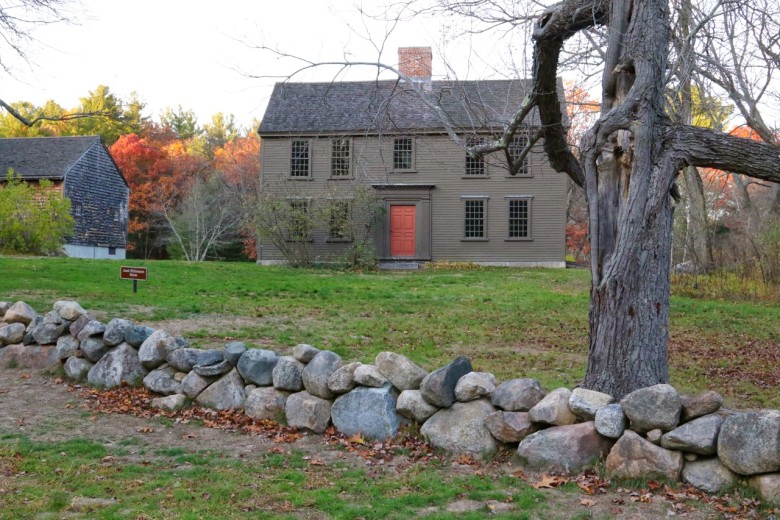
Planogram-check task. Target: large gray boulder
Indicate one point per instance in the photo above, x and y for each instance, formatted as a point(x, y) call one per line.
point(749, 443)
point(233, 351)
point(225, 394)
point(217, 369)
point(611, 421)
point(700, 405)
point(183, 359)
point(209, 357)
point(402, 372)
point(307, 411)
point(370, 411)
point(657, 406)
point(93, 348)
point(115, 331)
point(709, 475)
point(256, 366)
point(12, 333)
point(369, 375)
point(135, 335)
point(585, 403)
point(438, 387)
point(565, 449)
point(510, 426)
point(288, 374)
point(475, 385)
point(343, 379)
point(4, 306)
point(698, 436)
point(49, 333)
point(411, 405)
point(66, 347)
point(518, 395)
point(68, 309)
point(91, 328)
point(20, 312)
point(170, 403)
point(120, 365)
point(266, 402)
point(77, 368)
point(461, 428)
point(193, 384)
point(162, 381)
point(634, 457)
point(767, 485)
point(554, 409)
point(316, 373)
point(53, 318)
point(304, 353)
point(79, 323)
point(155, 349)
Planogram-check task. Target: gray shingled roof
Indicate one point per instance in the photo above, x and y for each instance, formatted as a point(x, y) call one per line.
point(36, 158)
point(391, 106)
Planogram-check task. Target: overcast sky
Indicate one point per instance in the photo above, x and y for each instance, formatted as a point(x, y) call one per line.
point(193, 52)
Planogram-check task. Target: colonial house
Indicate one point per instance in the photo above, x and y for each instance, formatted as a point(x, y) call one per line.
point(81, 169)
point(322, 141)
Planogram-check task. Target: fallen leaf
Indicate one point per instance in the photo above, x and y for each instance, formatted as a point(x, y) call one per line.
point(25, 376)
point(189, 436)
point(549, 482)
point(356, 439)
point(144, 429)
point(588, 502)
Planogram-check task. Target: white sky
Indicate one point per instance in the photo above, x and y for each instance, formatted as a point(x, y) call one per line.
point(191, 52)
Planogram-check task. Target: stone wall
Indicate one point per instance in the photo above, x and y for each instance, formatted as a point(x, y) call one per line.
point(651, 433)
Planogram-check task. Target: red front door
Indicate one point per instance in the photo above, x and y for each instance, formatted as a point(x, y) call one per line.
point(402, 234)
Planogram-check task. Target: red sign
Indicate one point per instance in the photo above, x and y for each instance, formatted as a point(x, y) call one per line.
point(132, 273)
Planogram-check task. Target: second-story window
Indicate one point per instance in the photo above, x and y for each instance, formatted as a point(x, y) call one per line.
point(403, 154)
point(516, 147)
point(340, 163)
point(475, 166)
point(300, 163)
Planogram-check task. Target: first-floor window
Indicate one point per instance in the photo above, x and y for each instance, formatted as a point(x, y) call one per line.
point(475, 221)
point(339, 220)
point(519, 217)
point(299, 222)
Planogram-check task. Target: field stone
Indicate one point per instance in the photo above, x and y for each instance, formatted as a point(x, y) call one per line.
point(68, 309)
point(35, 357)
point(115, 331)
point(288, 374)
point(183, 359)
point(4, 306)
point(634, 457)
point(120, 365)
point(369, 375)
point(510, 426)
point(317, 372)
point(217, 369)
point(135, 335)
point(402, 372)
point(52, 318)
point(66, 346)
point(566, 449)
point(209, 357)
point(518, 395)
point(12, 333)
point(307, 411)
point(155, 349)
point(170, 403)
point(265, 402)
point(93, 348)
point(77, 368)
point(233, 351)
point(257, 365)
point(655, 436)
point(162, 381)
point(749, 443)
point(700, 405)
point(343, 380)
point(461, 428)
point(554, 409)
point(611, 421)
point(193, 384)
point(49, 333)
point(438, 387)
point(224, 394)
point(304, 353)
point(585, 403)
point(91, 328)
point(657, 406)
point(698, 436)
point(20, 312)
point(79, 323)
point(767, 485)
point(411, 405)
point(475, 385)
point(28, 338)
point(709, 475)
point(370, 411)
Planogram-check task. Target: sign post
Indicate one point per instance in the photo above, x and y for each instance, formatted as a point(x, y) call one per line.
point(134, 274)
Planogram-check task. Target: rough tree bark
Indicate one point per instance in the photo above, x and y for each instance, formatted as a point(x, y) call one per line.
point(630, 159)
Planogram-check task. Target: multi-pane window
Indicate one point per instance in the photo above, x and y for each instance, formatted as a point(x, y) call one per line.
point(475, 221)
point(340, 158)
point(403, 153)
point(339, 220)
point(299, 159)
point(474, 165)
point(520, 218)
point(299, 222)
point(516, 147)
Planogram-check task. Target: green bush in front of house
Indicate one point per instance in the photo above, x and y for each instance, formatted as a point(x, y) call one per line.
point(33, 220)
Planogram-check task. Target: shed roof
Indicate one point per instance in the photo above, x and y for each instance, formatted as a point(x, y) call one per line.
point(393, 106)
point(35, 158)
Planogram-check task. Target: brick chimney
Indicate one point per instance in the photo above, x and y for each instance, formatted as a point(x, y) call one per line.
point(415, 62)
